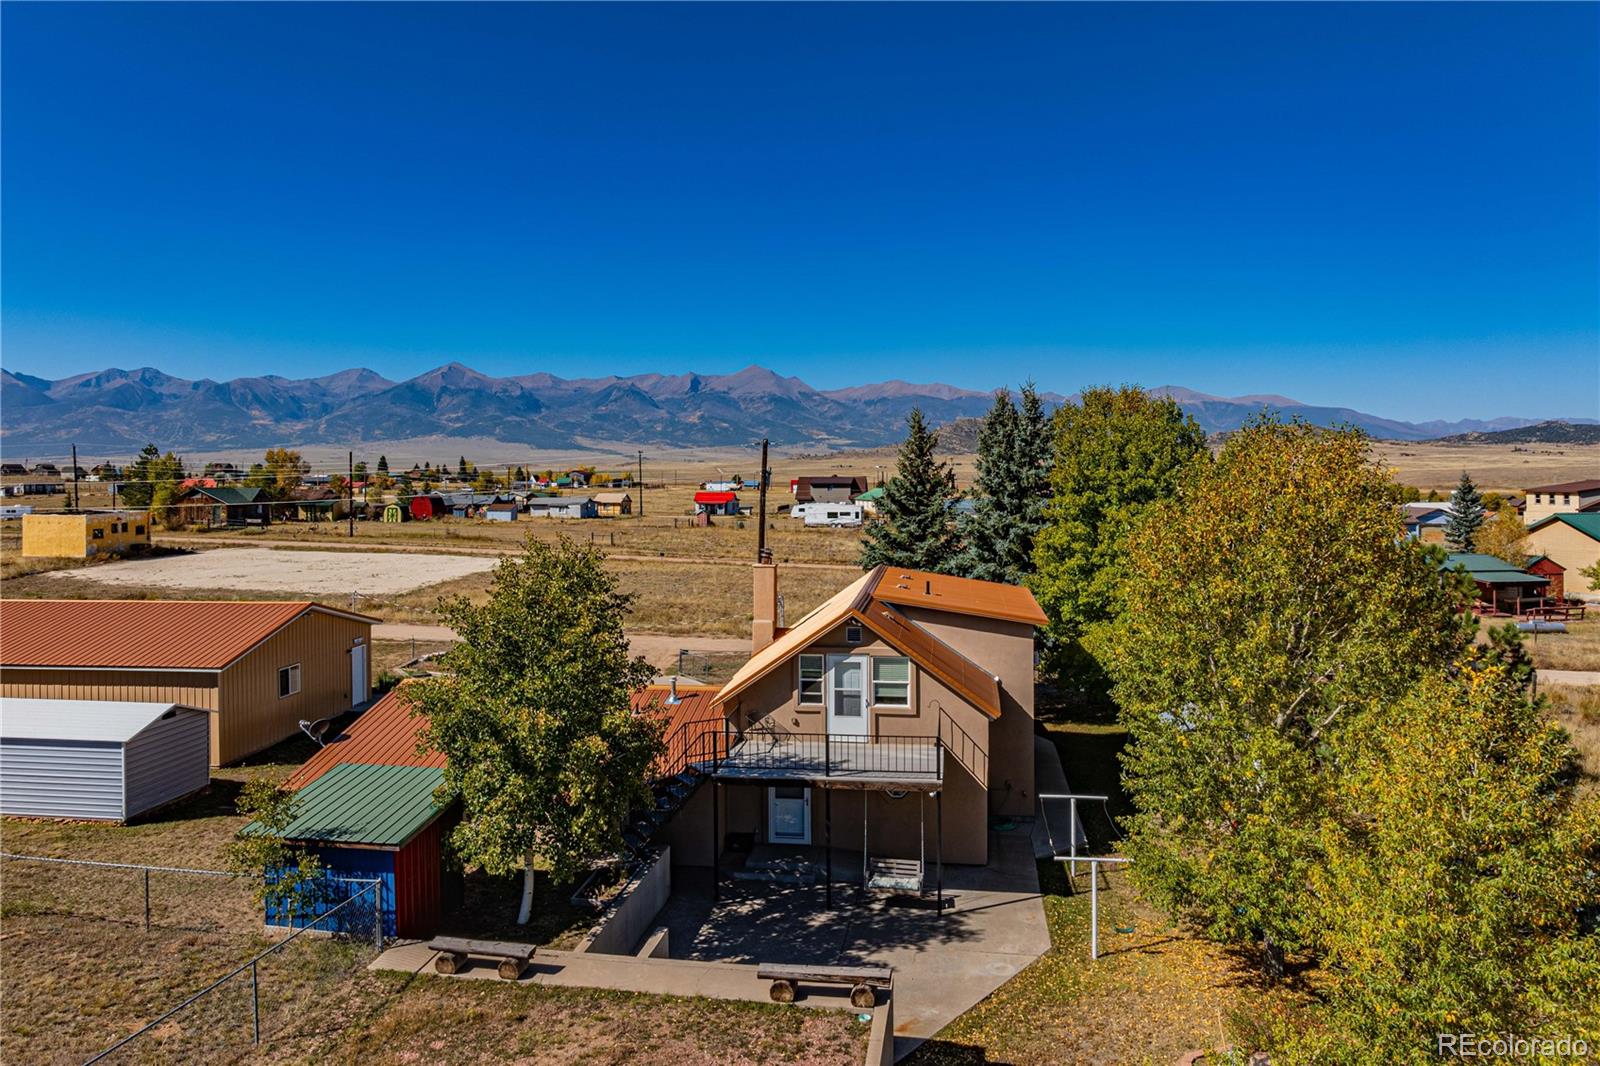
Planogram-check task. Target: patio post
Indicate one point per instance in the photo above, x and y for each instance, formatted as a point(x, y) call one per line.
point(716, 833)
point(827, 842)
point(938, 845)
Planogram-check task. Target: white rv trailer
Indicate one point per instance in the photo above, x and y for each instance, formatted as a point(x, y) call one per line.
point(833, 514)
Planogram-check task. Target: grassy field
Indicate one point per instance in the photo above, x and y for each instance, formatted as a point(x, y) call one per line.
point(1576, 649)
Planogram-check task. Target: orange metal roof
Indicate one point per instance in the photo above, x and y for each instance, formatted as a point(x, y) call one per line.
point(695, 704)
point(142, 634)
point(384, 735)
point(961, 595)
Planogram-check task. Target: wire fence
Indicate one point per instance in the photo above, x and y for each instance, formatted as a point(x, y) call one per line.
point(181, 957)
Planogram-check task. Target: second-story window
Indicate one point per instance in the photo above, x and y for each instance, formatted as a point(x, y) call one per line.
point(811, 668)
point(891, 681)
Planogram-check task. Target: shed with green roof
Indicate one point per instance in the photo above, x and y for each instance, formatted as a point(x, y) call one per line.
point(385, 823)
point(1502, 587)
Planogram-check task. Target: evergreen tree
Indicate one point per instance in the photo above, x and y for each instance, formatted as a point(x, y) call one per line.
point(912, 527)
point(461, 467)
point(383, 464)
point(1010, 492)
point(1466, 515)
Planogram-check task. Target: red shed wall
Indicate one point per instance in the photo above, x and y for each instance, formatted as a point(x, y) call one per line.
point(420, 881)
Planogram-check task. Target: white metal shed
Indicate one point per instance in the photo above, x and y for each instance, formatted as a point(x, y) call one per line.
point(99, 759)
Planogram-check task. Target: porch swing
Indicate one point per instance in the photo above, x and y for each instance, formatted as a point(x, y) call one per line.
point(897, 875)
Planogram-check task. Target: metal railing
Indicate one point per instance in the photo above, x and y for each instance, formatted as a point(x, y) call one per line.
point(967, 751)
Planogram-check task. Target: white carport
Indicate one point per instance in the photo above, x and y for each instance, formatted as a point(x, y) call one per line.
point(106, 760)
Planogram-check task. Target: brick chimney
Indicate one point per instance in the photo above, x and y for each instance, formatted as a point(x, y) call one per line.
point(764, 600)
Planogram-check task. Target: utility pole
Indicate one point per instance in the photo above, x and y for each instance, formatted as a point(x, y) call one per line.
point(761, 530)
point(74, 477)
point(350, 493)
point(641, 483)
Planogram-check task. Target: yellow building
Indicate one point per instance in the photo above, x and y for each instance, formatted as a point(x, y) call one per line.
point(84, 535)
point(1572, 541)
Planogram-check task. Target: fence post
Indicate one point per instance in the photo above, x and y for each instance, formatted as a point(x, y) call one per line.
point(377, 916)
point(147, 899)
point(255, 1003)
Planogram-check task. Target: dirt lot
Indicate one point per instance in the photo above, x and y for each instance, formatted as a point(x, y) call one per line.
point(1503, 468)
point(328, 575)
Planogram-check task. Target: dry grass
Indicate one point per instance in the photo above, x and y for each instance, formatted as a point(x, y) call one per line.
point(1576, 649)
point(1495, 467)
point(1577, 710)
point(435, 1020)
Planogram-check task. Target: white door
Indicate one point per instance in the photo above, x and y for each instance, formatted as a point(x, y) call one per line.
point(789, 814)
point(358, 675)
point(847, 696)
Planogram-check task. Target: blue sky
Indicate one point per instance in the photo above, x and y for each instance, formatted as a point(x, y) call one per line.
point(1393, 207)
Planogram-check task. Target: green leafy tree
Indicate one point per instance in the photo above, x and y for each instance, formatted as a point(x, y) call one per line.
point(485, 481)
point(1504, 536)
point(1010, 492)
point(150, 476)
point(534, 722)
point(360, 470)
point(1117, 452)
point(1269, 605)
point(913, 527)
point(1458, 869)
point(292, 877)
point(1466, 516)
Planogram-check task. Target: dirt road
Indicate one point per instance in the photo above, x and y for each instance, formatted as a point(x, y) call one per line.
point(659, 649)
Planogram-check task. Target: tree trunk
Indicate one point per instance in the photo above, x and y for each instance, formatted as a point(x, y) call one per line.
point(526, 912)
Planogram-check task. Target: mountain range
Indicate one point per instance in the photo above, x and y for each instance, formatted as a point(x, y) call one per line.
point(118, 411)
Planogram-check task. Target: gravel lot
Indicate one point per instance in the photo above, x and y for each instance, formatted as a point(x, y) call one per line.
point(318, 574)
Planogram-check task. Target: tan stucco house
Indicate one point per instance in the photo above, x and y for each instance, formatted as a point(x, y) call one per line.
point(893, 721)
point(1568, 497)
point(1572, 541)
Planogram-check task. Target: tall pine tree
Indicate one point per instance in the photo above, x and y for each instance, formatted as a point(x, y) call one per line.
point(1466, 515)
point(1010, 493)
point(912, 528)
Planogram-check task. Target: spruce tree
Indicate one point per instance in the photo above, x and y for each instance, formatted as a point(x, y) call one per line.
point(912, 528)
point(383, 464)
point(1009, 495)
point(1466, 515)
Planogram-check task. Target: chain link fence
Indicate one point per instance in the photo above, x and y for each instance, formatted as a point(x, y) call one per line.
point(181, 957)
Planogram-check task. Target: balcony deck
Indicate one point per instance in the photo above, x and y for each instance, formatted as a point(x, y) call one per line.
point(909, 762)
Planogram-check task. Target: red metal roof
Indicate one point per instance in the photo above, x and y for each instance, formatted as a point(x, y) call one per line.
point(686, 720)
point(384, 735)
point(142, 634)
point(715, 497)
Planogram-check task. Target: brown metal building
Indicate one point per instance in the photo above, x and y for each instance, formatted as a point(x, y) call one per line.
point(259, 666)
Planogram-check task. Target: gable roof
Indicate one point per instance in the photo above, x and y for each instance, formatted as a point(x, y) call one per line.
point(716, 497)
point(143, 634)
point(1585, 522)
point(1490, 569)
point(358, 803)
point(959, 595)
point(1586, 485)
point(385, 734)
point(860, 601)
point(612, 497)
point(226, 494)
point(85, 721)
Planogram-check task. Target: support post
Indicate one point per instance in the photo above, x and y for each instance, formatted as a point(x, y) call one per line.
point(641, 484)
point(377, 917)
point(827, 843)
point(716, 836)
point(255, 1003)
point(350, 492)
point(147, 899)
point(1094, 913)
point(1072, 834)
point(938, 845)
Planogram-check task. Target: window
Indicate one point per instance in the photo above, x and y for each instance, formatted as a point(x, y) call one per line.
point(139, 530)
point(852, 634)
point(811, 668)
point(891, 681)
point(288, 680)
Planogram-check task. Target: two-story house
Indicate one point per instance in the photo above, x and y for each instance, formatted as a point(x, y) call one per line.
point(891, 721)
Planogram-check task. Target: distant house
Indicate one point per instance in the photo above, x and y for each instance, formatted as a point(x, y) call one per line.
point(223, 505)
point(562, 507)
point(716, 503)
point(258, 666)
point(45, 470)
point(1425, 521)
point(733, 485)
point(1571, 541)
point(500, 511)
point(613, 504)
point(35, 488)
point(316, 503)
point(1502, 587)
point(84, 534)
point(1567, 497)
point(102, 760)
point(831, 488)
point(13, 470)
point(870, 499)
